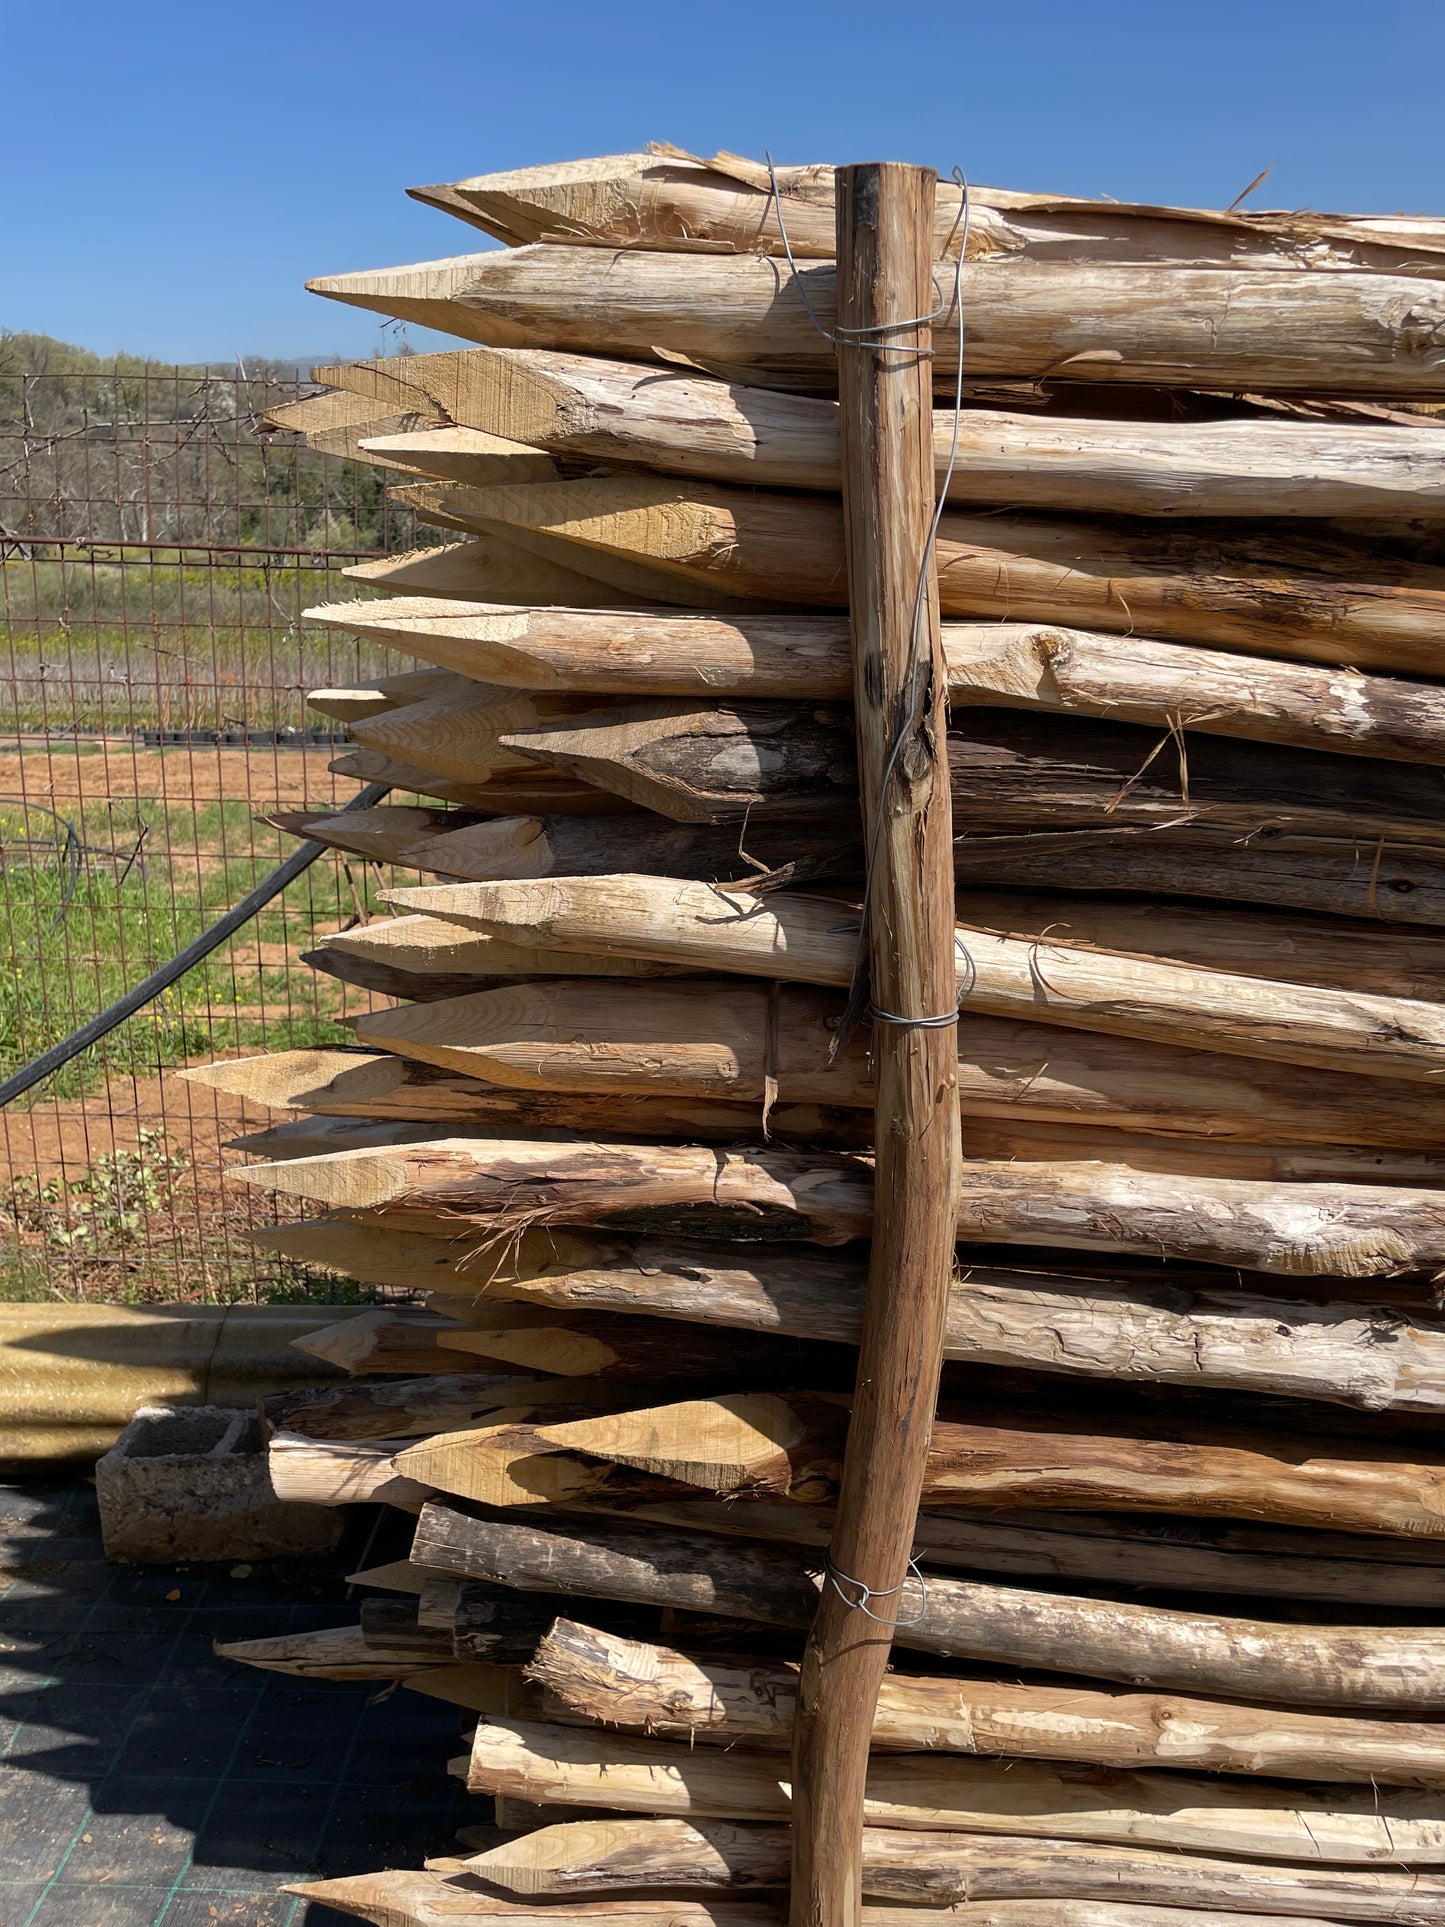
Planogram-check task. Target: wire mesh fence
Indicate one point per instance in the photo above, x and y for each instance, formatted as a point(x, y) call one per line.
point(157, 554)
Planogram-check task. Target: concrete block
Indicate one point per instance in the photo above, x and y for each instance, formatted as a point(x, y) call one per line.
point(190, 1482)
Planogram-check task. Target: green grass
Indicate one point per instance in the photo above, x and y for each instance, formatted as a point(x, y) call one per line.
point(123, 646)
point(151, 877)
point(153, 1220)
point(94, 895)
point(144, 1216)
point(24, 1277)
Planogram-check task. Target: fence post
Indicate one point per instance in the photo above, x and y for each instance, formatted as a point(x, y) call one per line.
point(885, 233)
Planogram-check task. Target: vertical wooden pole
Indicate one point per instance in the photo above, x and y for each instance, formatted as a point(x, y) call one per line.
point(885, 232)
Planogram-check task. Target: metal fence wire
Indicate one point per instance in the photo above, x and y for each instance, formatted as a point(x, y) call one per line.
point(157, 553)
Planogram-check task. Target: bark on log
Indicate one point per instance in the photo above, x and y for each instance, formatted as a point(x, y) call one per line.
point(512, 1185)
point(1158, 1311)
point(1413, 1297)
point(401, 1408)
point(790, 1446)
point(1263, 1819)
point(530, 846)
point(682, 423)
point(1322, 599)
point(818, 1126)
point(698, 763)
point(704, 763)
point(438, 1600)
point(369, 1086)
point(504, 797)
point(397, 1622)
point(1005, 664)
point(1170, 1555)
point(624, 1067)
point(663, 198)
point(1359, 879)
point(382, 835)
point(694, 1038)
point(1281, 945)
point(607, 1680)
point(1348, 878)
point(1337, 1666)
point(626, 654)
point(1349, 1229)
point(1133, 679)
point(717, 1036)
point(1025, 1078)
point(1353, 334)
point(813, 939)
point(394, 1625)
point(347, 1083)
point(1339, 1352)
point(498, 1625)
point(519, 1184)
point(1029, 1140)
point(511, 1463)
point(598, 1857)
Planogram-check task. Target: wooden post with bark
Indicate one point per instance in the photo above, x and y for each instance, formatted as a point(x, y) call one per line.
point(885, 373)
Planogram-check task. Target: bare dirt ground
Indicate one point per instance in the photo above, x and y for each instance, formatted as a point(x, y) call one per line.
point(115, 768)
point(148, 1155)
point(62, 1137)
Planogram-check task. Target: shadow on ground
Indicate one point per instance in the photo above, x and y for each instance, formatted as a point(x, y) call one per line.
point(147, 1783)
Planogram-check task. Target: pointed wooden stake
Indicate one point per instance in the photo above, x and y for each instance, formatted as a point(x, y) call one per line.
point(885, 214)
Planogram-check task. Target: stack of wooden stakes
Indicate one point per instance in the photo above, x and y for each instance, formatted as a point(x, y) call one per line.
point(1176, 1652)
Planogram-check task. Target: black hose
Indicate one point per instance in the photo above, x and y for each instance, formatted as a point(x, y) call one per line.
point(137, 998)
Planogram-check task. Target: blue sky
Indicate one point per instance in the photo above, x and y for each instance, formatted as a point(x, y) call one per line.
point(189, 165)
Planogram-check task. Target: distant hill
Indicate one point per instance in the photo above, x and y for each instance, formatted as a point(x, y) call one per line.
point(299, 366)
point(22, 352)
point(182, 460)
